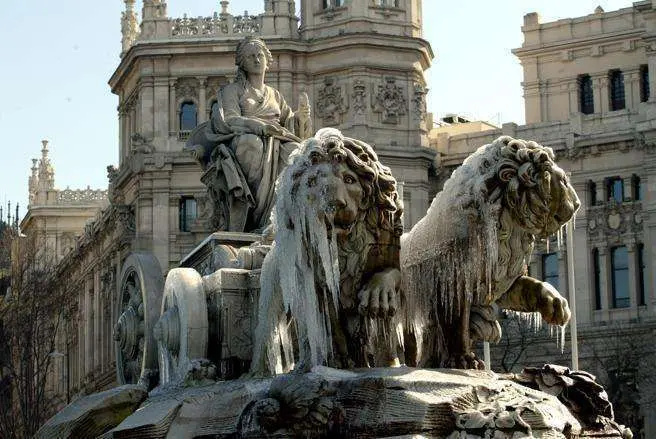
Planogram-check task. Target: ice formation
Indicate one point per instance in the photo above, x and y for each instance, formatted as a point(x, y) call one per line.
point(479, 231)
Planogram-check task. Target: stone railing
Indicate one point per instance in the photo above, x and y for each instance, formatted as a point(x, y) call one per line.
point(216, 25)
point(81, 196)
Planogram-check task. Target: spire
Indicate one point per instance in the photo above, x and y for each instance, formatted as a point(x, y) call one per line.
point(32, 182)
point(46, 172)
point(16, 217)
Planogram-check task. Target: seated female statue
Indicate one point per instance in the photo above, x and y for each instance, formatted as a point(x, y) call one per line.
point(247, 142)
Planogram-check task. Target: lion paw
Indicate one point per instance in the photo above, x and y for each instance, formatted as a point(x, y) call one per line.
point(380, 296)
point(553, 307)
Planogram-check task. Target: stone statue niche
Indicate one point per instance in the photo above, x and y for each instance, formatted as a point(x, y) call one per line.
point(247, 142)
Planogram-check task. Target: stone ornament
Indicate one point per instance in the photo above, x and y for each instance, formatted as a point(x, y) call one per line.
point(186, 88)
point(419, 102)
point(470, 250)
point(129, 26)
point(389, 100)
point(358, 97)
point(613, 219)
point(331, 103)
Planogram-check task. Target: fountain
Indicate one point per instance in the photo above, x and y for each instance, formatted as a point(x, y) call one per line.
point(335, 324)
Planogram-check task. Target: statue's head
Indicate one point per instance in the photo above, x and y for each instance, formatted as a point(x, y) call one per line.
point(345, 183)
point(252, 56)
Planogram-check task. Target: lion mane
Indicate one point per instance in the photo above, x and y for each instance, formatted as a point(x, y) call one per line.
point(310, 273)
point(479, 231)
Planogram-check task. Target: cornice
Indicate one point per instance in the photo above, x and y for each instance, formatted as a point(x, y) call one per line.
point(576, 43)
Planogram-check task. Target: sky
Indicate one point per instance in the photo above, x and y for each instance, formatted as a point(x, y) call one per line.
point(57, 57)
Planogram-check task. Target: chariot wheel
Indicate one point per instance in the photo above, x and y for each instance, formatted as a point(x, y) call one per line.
point(182, 330)
point(137, 306)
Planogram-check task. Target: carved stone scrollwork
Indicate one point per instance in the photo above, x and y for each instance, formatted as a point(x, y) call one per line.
point(125, 221)
point(186, 88)
point(141, 144)
point(331, 103)
point(390, 100)
point(615, 219)
point(359, 96)
point(419, 101)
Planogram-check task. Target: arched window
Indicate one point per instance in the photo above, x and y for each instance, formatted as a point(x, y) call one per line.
point(214, 108)
point(188, 116)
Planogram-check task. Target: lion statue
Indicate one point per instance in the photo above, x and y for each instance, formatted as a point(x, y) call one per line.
point(330, 284)
point(470, 252)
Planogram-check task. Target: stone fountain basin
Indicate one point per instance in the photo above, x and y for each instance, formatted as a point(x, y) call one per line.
point(367, 403)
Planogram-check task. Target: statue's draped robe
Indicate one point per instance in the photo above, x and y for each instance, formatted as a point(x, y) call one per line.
point(248, 167)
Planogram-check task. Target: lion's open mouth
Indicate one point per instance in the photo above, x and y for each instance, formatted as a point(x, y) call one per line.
point(342, 224)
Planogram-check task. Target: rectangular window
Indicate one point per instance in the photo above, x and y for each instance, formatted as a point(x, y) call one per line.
point(596, 267)
point(586, 100)
point(641, 274)
point(620, 277)
point(636, 188)
point(188, 213)
point(616, 79)
point(615, 189)
point(644, 83)
point(550, 269)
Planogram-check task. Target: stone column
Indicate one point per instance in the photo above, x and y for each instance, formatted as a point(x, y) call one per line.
point(632, 88)
point(146, 123)
point(605, 281)
point(97, 320)
point(161, 105)
point(627, 186)
point(202, 99)
point(161, 226)
point(285, 80)
point(602, 196)
point(651, 63)
point(88, 325)
point(173, 111)
point(573, 94)
point(122, 132)
point(600, 93)
point(81, 339)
